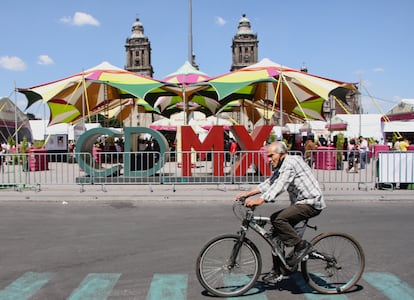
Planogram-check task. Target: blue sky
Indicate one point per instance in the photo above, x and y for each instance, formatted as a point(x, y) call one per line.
point(369, 41)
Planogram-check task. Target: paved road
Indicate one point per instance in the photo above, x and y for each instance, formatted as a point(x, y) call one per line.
point(147, 249)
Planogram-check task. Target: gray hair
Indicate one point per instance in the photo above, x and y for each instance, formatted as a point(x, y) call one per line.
point(280, 147)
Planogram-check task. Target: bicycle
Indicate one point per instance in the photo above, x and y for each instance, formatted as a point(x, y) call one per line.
point(229, 265)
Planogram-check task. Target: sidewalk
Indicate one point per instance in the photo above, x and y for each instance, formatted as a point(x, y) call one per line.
point(182, 193)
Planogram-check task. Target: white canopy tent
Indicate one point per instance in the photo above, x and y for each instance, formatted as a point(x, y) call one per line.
point(40, 130)
point(313, 127)
point(367, 125)
point(398, 126)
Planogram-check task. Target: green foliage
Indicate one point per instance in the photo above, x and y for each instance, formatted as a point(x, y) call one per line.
point(24, 146)
point(38, 144)
point(340, 141)
point(339, 146)
point(11, 141)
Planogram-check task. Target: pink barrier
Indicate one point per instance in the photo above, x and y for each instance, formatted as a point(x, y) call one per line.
point(38, 160)
point(380, 148)
point(325, 159)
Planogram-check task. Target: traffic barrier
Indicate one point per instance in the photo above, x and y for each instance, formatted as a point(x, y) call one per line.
point(190, 167)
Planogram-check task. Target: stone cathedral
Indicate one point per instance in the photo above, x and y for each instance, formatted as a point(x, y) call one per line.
point(138, 57)
point(244, 53)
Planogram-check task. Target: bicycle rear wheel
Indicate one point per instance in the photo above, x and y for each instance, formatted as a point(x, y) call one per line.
point(219, 276)
point(335, 264)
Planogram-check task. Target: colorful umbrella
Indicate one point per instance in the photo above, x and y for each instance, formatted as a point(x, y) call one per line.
point(121, 109)
point(197, 102)
point(89, 89)
point(62, 112)
point(253, 110)
point(286, 87)
point(190, 107)
point(180, 88)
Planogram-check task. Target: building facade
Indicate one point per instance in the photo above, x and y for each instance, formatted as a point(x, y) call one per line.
point(138, 60)
point(244, 46)
point(138, 51)
point(244, 53)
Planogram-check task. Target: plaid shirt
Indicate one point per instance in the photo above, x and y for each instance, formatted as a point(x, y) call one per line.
point(295, 177)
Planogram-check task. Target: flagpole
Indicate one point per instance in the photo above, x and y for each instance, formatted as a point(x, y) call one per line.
point(190, 33)
point(190, 53)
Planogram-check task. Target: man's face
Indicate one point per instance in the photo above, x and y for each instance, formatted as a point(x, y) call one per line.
point(273, 156)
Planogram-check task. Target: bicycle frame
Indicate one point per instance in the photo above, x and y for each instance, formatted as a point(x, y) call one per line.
point(233, 274)
point(257, 224)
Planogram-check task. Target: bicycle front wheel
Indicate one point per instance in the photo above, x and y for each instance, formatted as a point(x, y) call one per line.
point(335, 264)
point(222, 276)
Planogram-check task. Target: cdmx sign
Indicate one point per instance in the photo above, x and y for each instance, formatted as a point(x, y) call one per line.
point(250, 144)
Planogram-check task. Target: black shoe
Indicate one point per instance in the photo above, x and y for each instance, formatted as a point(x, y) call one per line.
point(273, 277)
point(301, 249)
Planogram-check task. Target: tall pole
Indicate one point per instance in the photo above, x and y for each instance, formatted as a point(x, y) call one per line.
point(360, 106)
point(281, 99)
point(190, 32)
point(190, 52)
point(16, 131)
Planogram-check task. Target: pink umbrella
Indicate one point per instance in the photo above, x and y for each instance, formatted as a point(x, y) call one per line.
point(183, 91)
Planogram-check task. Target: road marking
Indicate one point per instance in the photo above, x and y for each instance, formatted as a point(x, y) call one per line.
point(390, 285)
point(308, 292)
point(25, 286)
point(98, 286)
point(255, 293)
point(168, 286)
point(95, 286)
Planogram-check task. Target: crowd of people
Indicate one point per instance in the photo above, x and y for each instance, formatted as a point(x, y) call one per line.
point(356, 151)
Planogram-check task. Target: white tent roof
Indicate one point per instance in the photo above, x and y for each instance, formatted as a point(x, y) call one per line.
point(9, 112)
point(292, 127)
point(398, 126)
point(370, 125)
point(314, 126)
point(404, 106)
point(40, 129)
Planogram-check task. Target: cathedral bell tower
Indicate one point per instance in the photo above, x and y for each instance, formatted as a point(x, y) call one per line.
point(138, 51)
point(245, 46)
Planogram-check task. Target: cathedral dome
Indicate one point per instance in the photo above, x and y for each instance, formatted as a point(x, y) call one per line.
point(137, 29)
point(244, 26)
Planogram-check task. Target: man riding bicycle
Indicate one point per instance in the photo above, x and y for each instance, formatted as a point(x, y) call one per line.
point(291, 174)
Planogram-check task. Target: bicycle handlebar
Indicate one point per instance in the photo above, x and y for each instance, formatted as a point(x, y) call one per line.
point(241, 199)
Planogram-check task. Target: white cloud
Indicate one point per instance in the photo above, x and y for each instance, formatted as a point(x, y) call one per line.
point(80, 19)
point(13, 63)
point(220, 21)
point(378, 69)
point(44, 60)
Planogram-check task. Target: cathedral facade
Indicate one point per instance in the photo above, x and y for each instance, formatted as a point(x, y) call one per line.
point(245, 47)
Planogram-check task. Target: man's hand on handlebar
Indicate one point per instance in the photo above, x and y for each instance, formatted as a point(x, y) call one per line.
point(242, 197)
point(254, 202)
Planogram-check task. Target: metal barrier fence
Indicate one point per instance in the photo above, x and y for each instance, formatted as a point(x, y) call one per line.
point(343, 169)
point(31, 170)
point(331, 168)
point(395, 169)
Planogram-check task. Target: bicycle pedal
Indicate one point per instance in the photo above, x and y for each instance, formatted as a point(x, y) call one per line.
point(274, 279)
